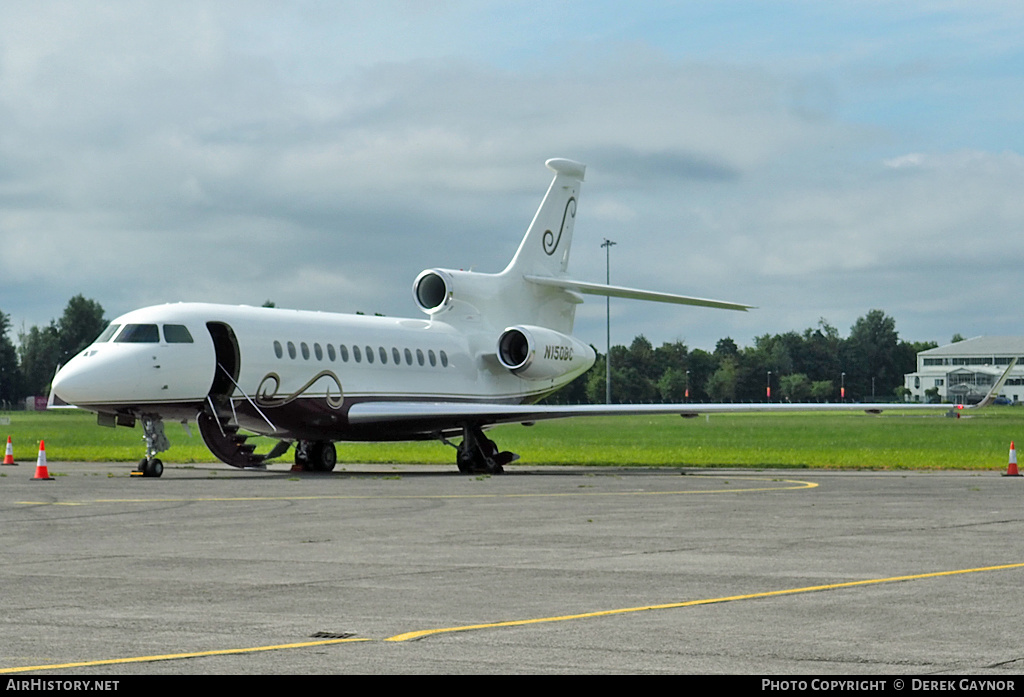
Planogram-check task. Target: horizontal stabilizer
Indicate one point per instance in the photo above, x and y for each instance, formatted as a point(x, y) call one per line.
point(634, 293)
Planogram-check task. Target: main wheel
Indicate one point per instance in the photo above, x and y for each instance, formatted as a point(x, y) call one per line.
point(478, 459)
point(323, 456)
point(465, 462)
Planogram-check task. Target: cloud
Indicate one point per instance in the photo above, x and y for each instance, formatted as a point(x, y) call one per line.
point(239, 152)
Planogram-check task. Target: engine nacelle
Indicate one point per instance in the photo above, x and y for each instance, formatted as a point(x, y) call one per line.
point(433, 290)
point(537, 353)
point(438, 291)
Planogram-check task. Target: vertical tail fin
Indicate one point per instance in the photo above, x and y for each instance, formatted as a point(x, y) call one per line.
point(544, 250)
point(509, 298)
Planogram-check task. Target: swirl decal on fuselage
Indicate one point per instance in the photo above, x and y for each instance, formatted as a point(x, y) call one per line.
point(267, 396)
point(550, 242)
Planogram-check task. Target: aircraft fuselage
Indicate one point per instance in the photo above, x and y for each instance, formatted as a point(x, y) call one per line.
point(288, 373)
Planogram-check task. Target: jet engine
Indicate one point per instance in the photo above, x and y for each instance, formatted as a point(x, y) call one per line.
point(438, 291)
point(537, 353)
point(433, 290)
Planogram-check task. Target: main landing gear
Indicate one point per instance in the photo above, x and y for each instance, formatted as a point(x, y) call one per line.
point(315, 456)
point(156, 442)
point(477, 454)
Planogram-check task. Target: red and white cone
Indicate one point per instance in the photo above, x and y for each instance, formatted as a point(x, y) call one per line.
point(41, 471)
point(9, 454)
point(1011, 469)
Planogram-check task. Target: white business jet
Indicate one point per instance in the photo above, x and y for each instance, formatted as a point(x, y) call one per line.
point(492, 346)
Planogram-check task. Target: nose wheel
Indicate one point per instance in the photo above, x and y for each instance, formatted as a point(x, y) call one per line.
point(156, 442)
point(150, 467)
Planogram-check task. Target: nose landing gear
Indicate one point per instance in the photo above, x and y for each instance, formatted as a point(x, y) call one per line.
point(156, 442)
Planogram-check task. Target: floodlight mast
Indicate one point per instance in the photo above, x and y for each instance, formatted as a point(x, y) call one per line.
point(608, 244)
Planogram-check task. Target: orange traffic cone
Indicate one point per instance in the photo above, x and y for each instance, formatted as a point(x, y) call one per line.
point(9, 455)
point(41, 471)
point(1011, 469)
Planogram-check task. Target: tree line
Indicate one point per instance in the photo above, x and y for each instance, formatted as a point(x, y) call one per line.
point(810, 366)
point(815, 365)
point(27, 369)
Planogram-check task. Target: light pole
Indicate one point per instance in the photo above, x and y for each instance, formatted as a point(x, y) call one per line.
point(842, 388)
point(686, 395)
point(607, 244)
point(768, 389)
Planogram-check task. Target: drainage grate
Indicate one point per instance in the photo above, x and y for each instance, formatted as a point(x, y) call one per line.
point(332, 635)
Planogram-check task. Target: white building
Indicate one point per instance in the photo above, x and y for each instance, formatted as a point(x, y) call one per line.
point(964, 372)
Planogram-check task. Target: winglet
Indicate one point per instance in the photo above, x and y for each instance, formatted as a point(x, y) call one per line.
point(994, 392)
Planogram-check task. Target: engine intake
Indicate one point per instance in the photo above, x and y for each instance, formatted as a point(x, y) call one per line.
point(432, 290)
point(537, 353)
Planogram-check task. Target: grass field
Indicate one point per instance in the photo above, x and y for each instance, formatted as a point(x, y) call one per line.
point(843, 441)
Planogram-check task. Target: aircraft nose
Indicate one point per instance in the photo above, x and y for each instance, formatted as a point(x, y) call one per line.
point(72, 382)
point(93, 377)
point(59, 386)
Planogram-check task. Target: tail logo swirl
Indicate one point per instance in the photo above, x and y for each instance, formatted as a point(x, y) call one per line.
point(549, 241)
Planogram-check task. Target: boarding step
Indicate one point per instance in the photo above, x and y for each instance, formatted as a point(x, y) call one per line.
point(224, 441)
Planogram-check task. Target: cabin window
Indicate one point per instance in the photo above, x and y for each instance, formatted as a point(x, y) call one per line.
point(139, 334)
point(107, 333)
point(177, 334)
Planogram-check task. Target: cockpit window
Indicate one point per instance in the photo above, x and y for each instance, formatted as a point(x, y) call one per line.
point(107, 333)
point(138, 334)
point(177, 334)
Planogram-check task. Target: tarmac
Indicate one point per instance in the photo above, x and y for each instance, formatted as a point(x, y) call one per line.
point(568, 570)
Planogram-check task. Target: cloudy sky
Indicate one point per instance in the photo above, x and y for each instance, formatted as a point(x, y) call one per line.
point(818, 160)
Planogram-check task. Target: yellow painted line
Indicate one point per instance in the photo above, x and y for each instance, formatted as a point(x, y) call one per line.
point(408, 636)
point(784, 485)
point(54, 503)
point(176, 656)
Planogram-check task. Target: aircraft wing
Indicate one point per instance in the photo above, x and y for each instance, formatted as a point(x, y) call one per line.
point(441, 414)
point(447, 414)
point(633, 293)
